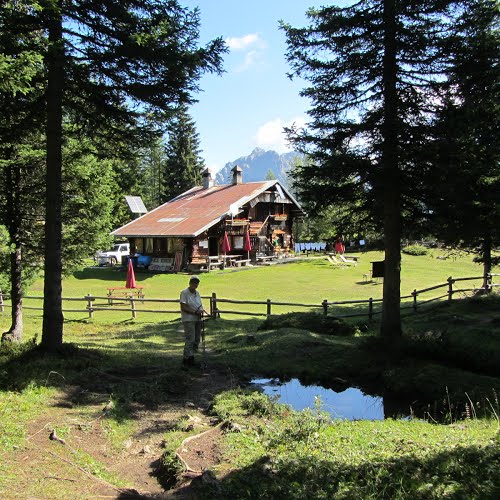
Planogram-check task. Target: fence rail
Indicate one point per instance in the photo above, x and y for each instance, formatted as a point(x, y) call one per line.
point(328, 308)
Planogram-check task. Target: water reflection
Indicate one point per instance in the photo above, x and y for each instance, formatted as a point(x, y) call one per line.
point(350, 404)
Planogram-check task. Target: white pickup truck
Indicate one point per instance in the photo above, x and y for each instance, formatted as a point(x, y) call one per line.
point(113, 256)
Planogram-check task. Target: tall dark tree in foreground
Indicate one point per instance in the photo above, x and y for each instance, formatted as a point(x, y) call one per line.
point(466, 203)
point(183, 163)
point(108, 62)
point(21, 153)
point(371, 68)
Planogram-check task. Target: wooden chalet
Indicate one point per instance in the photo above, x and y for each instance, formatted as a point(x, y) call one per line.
point(189, 230)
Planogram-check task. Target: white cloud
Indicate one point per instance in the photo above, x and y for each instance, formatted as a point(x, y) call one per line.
point(271, 135)
point(253, 47)
point(245, 41)
point(251, 58)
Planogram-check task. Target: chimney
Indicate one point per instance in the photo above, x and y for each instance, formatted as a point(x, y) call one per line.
point(237, 175)
point(208, 182)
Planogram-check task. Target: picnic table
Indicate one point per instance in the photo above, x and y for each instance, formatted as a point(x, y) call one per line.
point(228, 259)
point(206, 262)
point(117, 292)
point(241, 262)
point(265, 258)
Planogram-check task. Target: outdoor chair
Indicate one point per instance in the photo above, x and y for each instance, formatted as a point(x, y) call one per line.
point(347, 261)
point(333, 260)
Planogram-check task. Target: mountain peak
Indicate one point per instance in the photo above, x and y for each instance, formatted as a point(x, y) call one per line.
point(260, 165)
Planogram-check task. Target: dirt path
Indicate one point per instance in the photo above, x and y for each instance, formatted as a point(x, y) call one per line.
point(79, 461)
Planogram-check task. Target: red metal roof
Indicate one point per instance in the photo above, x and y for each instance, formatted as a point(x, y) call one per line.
point(194, 211)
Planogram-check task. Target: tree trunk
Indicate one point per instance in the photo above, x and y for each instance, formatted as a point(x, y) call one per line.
point(15, 332)
point(486, 263)
point(13, 179)
point(391, 316)
point(52, 330)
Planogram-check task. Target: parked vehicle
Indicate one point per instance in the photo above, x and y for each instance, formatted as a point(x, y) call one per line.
point(113, 256)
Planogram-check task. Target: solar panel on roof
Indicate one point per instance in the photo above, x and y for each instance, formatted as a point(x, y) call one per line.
point(136, 204)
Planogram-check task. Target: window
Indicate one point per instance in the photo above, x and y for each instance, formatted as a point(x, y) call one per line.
point(238, 242)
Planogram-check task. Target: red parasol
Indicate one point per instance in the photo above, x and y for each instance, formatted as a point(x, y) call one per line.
point(247, 246)
point(226, 247)
point(130, 275)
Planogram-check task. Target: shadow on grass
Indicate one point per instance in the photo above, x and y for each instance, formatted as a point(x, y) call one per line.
point(110, 274)
point(464, 472)
point(141, 363)
point(142, 366)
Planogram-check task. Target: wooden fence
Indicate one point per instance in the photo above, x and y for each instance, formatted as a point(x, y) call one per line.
point(362, 308)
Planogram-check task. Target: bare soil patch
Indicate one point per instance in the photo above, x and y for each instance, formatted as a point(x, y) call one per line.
point(52, 468)
point(198, 453)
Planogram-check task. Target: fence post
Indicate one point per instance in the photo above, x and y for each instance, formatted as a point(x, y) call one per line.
point(325, 307)
point(414, 293)
point(489, 283)
point(132, 305)
point(269, 307)
point(370, 308)
point(213, 305)
point(450, 289)
point(1, 301)
point(89, 305)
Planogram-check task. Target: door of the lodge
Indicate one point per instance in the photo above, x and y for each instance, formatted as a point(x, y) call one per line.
point(213, 246)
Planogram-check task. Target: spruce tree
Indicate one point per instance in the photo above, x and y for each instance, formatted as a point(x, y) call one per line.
point(465, 203)
point(108, 63)
point(21, 152)
point(372, 69)
point(183, 164)
point(152, 168)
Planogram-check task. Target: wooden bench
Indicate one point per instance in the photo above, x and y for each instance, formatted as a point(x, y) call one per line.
point(207, 263)
point(265, 258)
point(199, 261)
point(214, 264)
point(241, 262)
point(118, 292)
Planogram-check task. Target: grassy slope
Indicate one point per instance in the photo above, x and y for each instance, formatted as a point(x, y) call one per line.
point(395, 450)
point(279, 454)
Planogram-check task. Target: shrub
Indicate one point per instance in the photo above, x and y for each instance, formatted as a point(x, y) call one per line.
point(244, 403)
point(415, 250)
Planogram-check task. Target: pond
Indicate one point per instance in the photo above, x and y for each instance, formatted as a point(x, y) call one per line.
point(350, 404)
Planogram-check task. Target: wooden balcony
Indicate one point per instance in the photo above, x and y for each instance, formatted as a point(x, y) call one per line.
point(237, 222)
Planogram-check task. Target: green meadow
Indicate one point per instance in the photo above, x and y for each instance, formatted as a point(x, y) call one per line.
point(443, 374)
point(308, 281)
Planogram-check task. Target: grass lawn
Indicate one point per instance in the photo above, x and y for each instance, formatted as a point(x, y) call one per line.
point(307, 282)
point(449, 357)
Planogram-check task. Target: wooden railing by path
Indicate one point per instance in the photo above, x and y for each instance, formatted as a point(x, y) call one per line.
point(362, 308)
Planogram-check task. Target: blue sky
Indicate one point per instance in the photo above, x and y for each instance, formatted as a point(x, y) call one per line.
point(250, 103)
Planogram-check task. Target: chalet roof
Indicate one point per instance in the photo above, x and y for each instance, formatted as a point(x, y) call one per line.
point(198, 209)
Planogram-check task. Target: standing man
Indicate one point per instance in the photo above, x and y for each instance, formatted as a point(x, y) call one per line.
point(191, 315)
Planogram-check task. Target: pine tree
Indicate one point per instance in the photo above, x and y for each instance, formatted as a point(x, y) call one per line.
point(270, 175)
point(372, 69)
point(183, 164)
point(152, 168)
point(21, 154)
point(466, 203)
point(106, 63)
